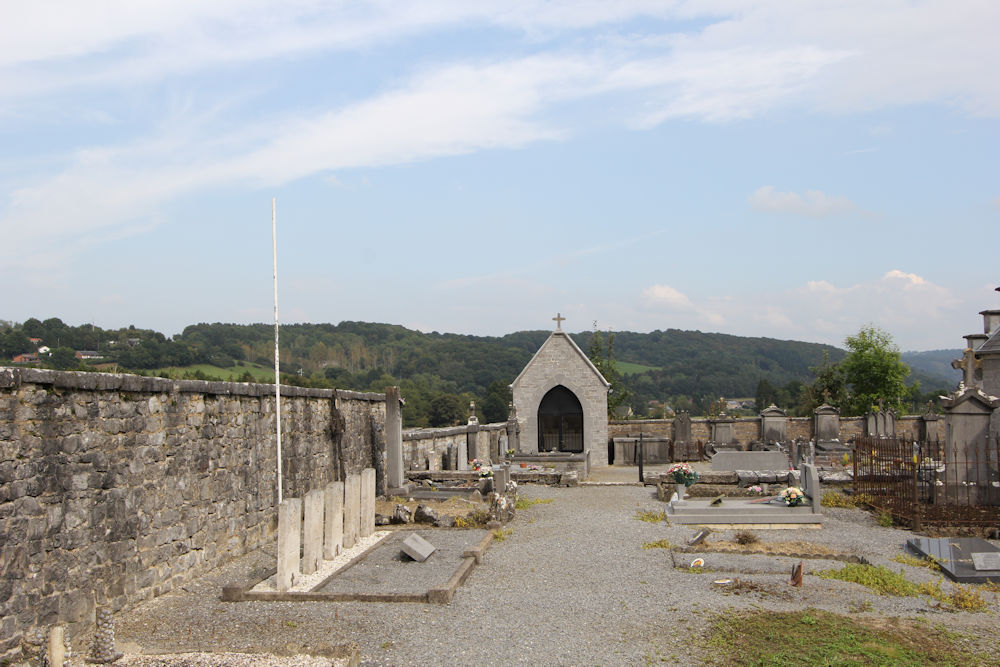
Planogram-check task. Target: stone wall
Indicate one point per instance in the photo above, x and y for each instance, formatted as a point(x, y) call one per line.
point(117, 488)
point(748, 429)
point(427, 448)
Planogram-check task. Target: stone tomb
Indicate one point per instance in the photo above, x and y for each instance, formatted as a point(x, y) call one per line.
point(967, 560)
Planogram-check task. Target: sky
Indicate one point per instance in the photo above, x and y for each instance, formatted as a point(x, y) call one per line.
point(787, 169)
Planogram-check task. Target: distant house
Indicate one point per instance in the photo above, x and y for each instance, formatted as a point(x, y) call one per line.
point(35, 341)
point(44, 349)
point(27, 358)
point(88, 354)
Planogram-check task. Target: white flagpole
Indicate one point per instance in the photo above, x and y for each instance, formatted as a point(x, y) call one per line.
point(277, 358)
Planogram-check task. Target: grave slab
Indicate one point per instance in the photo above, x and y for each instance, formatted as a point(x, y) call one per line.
point(959, 557)
point(749, 461)
point(417, 548)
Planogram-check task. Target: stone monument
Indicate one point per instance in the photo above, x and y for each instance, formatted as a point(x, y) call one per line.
point(561, 401)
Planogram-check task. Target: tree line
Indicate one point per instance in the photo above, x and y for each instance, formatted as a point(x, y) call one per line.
point(440, 374)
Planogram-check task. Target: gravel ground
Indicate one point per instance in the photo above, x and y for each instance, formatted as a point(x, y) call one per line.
point(571, 585)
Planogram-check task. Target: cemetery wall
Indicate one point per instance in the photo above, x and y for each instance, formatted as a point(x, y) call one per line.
point(118, 488)
point(748, 429)
point(427, 448)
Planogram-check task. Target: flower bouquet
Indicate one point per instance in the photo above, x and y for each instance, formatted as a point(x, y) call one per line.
point(792, 496)
point(683, 473)
point(480, 466)
point(756, 489)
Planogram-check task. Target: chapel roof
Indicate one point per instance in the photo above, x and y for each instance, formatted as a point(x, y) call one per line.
point(555, 338)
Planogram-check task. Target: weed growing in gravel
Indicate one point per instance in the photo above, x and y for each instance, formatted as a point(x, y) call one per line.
point(525, 503)
point(885, 520)
point(745, 536)
point(838, 499)
point(907, 559)
point(814, 637)
point(884, 581)
point(966, 598)
point(476, 519)
point(500, 534)
point(659, 544)
point(652, 516)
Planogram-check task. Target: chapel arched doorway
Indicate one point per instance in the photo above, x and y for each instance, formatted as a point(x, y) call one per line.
point(560, 421)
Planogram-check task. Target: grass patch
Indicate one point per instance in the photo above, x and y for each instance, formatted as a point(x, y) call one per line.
point(525, 503)
point(652, 516)
point(659, 544)
point(814, 637)
point(208, 371)
point(629, 368)
point(838, 499)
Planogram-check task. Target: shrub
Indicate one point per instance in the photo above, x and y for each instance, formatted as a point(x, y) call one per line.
point(745, 537)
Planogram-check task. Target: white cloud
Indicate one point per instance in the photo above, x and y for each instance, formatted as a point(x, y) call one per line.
point(665, 295)
point(813, 204)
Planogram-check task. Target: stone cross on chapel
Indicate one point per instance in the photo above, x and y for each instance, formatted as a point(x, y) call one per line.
point(558, 319)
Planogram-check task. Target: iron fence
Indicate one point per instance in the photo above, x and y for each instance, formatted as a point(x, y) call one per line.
point(926, 483)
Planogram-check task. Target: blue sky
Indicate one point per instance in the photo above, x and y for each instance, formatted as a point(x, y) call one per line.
point(783, 169)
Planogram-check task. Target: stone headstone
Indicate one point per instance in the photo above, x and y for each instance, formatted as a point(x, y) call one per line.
point(289, 542)
point(827, 426)
point(722, 430)
point(773, 425)
point(682, 427)
point(312, 531)
point(366, 523)
point(699, 537)
point(333, 520)
point(463, 456)
point(352, 510)
point(960, 558)
point(417, 548)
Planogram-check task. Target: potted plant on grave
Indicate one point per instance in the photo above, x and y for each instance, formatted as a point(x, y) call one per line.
point(793, 496)
point(683, 476)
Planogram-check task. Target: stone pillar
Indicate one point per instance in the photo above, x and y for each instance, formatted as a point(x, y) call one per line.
point(394, 440)
point(472, 444)
point(289, 541)
point(312, 531)
point(352, 509)
point(333, 520)
point(367, 520)
point(462, 458)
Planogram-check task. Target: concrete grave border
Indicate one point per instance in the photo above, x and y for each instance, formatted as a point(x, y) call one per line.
point(471, 557)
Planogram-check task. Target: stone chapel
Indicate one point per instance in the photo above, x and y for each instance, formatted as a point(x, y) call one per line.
point(561, 401)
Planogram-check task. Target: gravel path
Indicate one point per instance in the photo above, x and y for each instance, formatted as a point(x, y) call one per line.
point(571, 585)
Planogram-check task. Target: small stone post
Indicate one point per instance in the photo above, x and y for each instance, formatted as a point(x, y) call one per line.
point(312, 531)
point(333, 520)
point(352, 509)
point(289, 540)
point(393, 440)
point(366, 522)
point(57, 646)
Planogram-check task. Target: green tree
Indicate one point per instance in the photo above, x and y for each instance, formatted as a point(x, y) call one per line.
point(873, 371)
point(446, 410)
point(496, 401)
point(63, 358)
point(830, 386)
point(602, 355)
point(766, 395)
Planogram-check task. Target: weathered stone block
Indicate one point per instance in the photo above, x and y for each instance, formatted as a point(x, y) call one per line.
point(312, 531)
point(333, 520)
point(289, 540)
point(352, 510)
point(367, 518)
